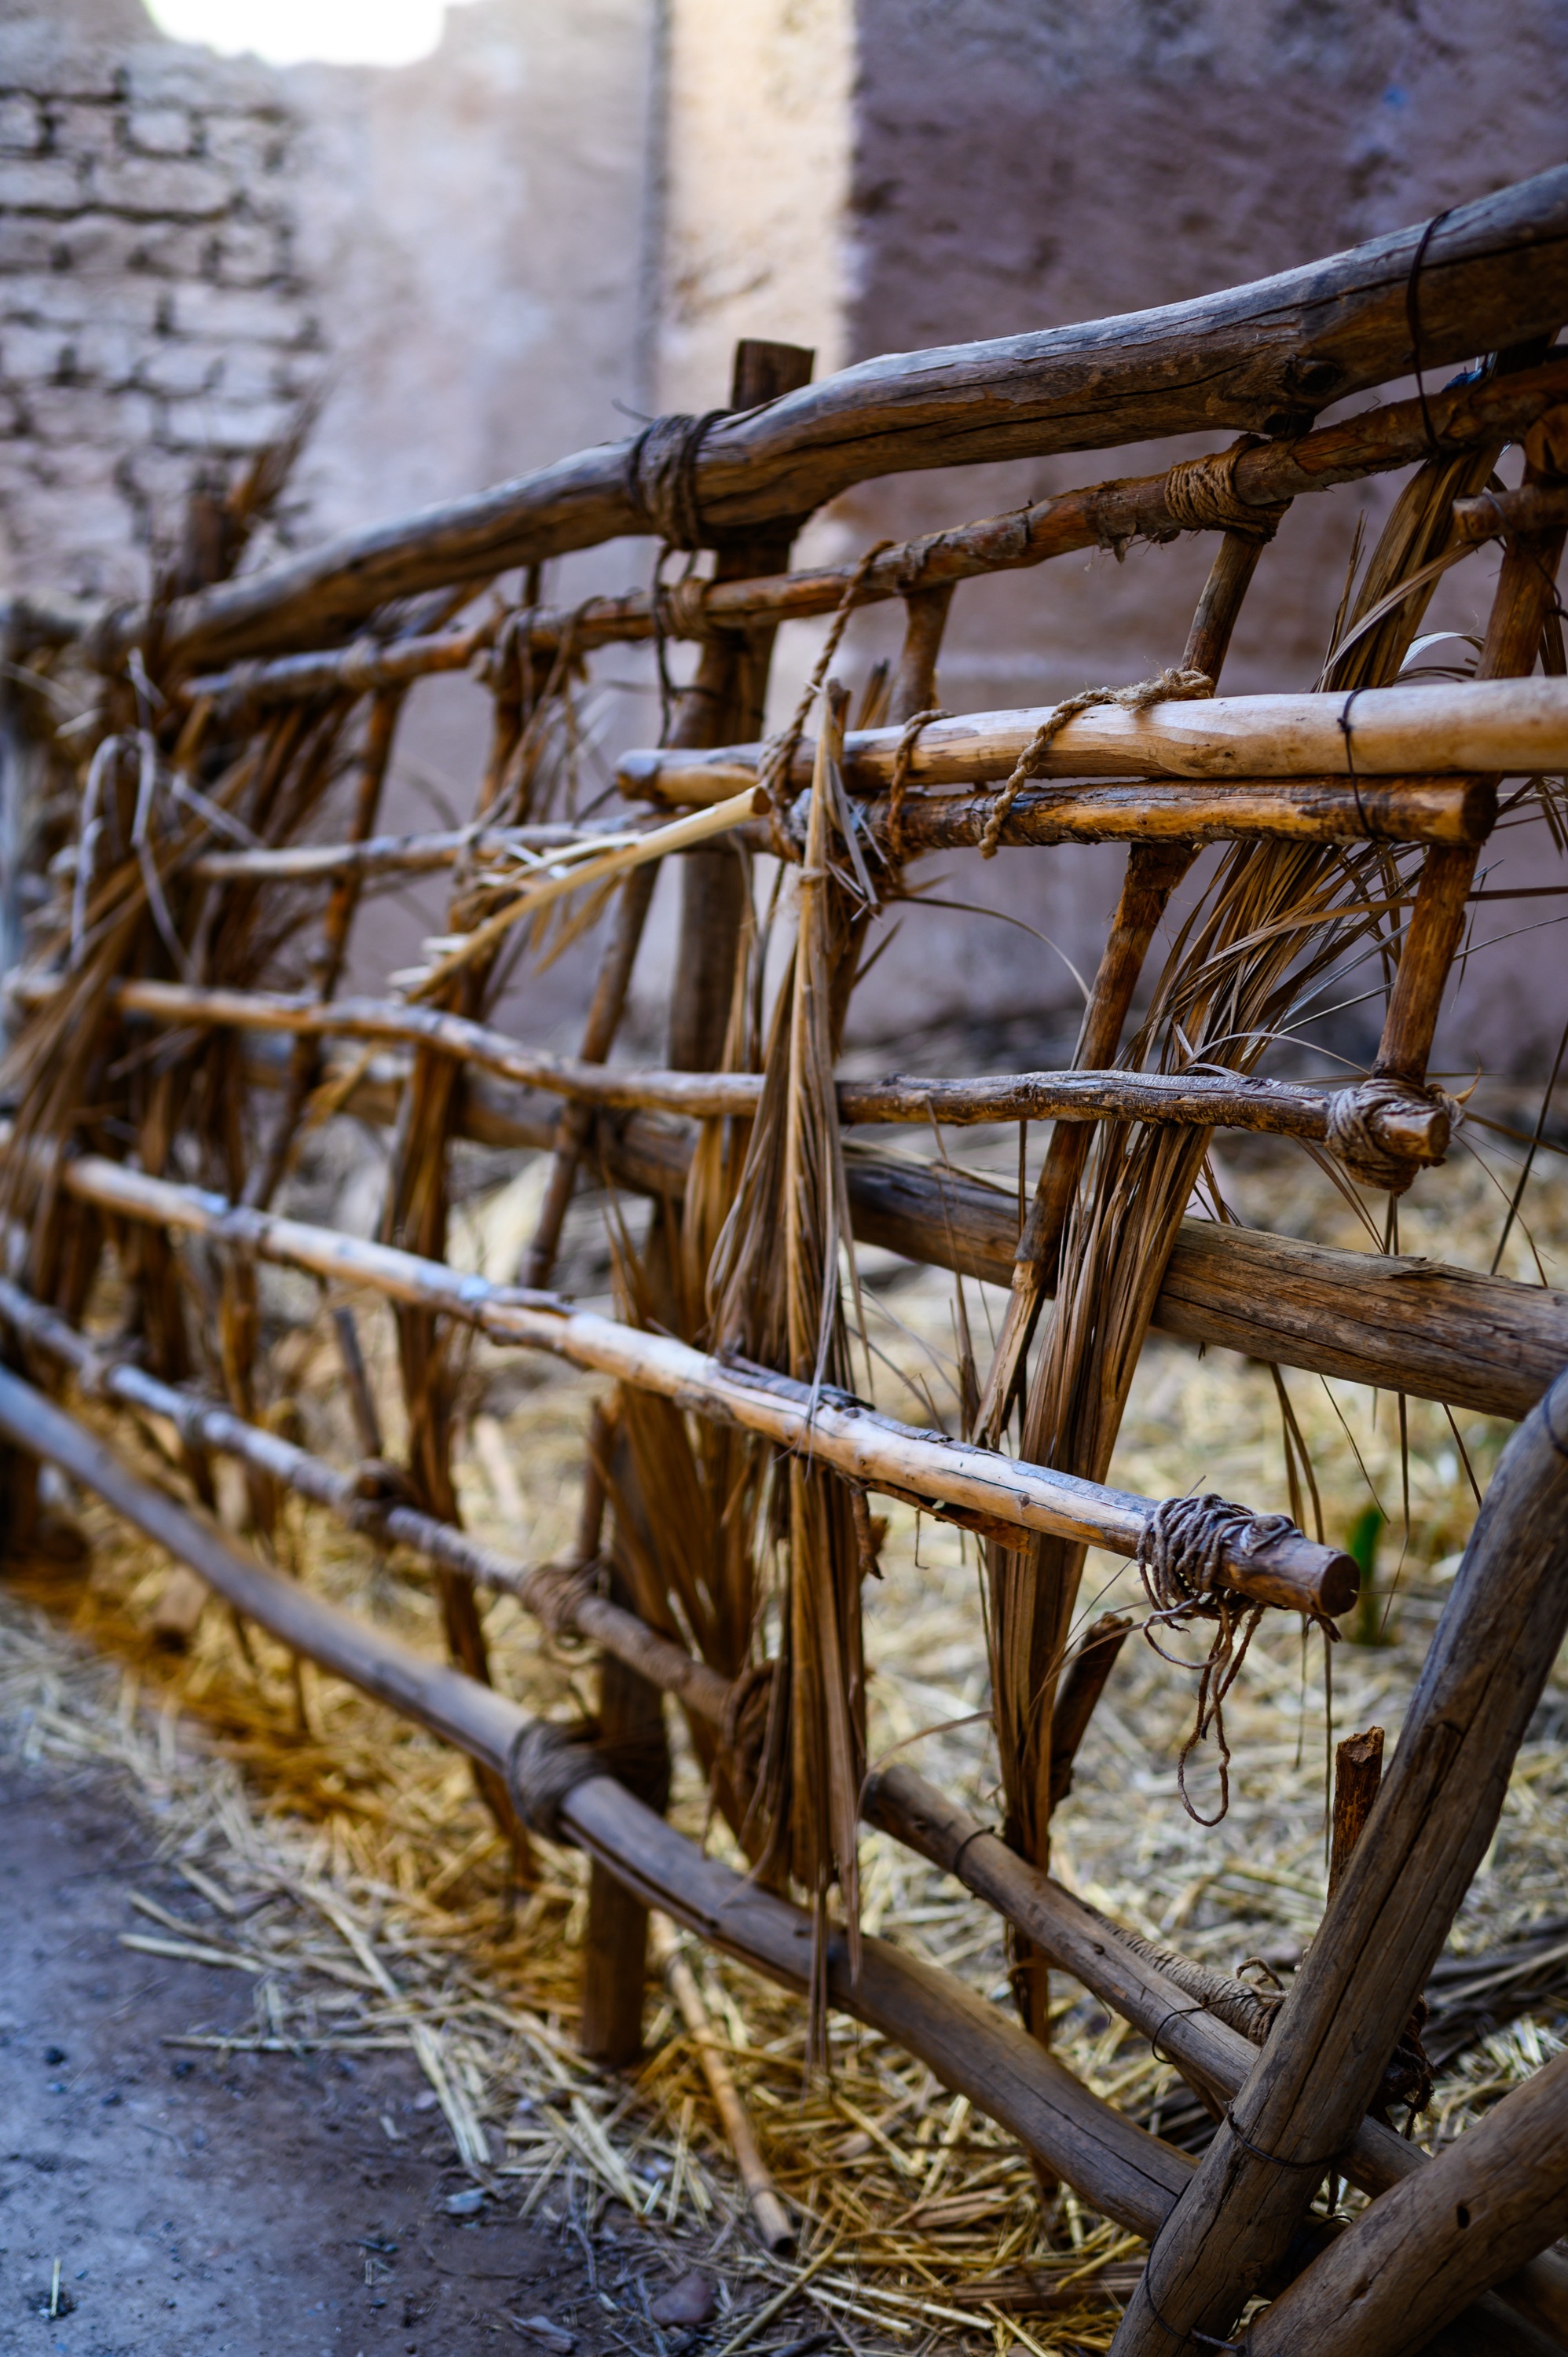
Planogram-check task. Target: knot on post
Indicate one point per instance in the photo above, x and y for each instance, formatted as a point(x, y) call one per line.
point(1201, 496)
point(1385, 1129)
point(662, 476)
point(549, 1759)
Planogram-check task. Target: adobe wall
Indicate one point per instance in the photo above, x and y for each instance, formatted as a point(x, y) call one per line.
point(1018, 164)
point(577, 204)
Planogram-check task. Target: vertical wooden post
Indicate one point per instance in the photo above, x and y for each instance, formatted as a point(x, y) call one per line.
point(726, 701)
point(1523, 604)
point(631, 1721)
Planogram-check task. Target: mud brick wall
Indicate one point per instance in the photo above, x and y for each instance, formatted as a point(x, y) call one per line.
point(152, 314)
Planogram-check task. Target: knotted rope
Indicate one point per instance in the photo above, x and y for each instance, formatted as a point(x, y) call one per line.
point(662, 476)
point(1169, 687)
point(902, 758)
point(1181, 1551)
point(548, 1761)
point(773, 768)
point(682, 606)
point(1356, 1133)
point(1201, 496)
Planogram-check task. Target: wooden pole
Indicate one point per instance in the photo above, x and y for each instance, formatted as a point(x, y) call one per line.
point(1497, 725)
point(1440, 1801)
point(772, 2218)
point(375, 754)
point(1272, 354)
point(854, 1440)
point(1489, 2201)
point(1102, 515)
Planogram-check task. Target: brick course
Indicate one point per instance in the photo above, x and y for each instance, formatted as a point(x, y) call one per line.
point(151, 314)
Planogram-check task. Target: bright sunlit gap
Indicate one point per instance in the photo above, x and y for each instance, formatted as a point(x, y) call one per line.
point(292, 32)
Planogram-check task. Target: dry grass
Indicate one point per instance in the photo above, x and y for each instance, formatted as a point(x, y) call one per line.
point(399, 1926)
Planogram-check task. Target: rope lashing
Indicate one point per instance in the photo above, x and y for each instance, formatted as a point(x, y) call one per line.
point(548, 1760)
point(1167, 688)
point(1359, 1130)
point(778, 753)
point(683, 607)
point(662, 476)
point(1201, 496)
point(1181, 1551)
point(907, 738)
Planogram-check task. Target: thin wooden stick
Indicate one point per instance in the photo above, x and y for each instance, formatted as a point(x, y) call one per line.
point(1153, 874)
point(1075, 1096)
point(1443, 728)
point(1436, 1332)
point(772, 2218)
point(380, 728)
point(393, 854)
point(598, 867)
point(856, 1440)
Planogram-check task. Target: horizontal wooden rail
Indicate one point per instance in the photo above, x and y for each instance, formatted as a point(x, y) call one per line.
point(390, 854)
point(1001, 1493)
point(1396, 1322)
point(897, 1799)
point(1103, 515)
point(1444, 728)
point(1297, 809)
point(1200, 1099)
point(1262, 358)
point(1119, 2168)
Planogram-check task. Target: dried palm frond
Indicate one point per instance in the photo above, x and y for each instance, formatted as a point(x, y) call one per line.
point(1273, 922)
point(775, 1294)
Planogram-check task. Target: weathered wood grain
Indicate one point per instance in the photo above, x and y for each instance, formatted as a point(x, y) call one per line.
point(851, 1437)
point(1262, 357)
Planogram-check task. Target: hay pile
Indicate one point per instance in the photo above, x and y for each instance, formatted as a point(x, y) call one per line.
point(920, 2221)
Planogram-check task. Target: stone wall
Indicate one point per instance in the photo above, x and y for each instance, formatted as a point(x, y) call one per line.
point(151, 311)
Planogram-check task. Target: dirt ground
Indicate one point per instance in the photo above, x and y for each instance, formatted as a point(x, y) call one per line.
point(294, 2204)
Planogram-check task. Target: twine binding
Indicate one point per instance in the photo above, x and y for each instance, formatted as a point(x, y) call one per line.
point(1180, 1551)
point(1167, 688)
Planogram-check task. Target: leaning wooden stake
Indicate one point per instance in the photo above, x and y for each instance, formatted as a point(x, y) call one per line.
point(1381, 1932)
